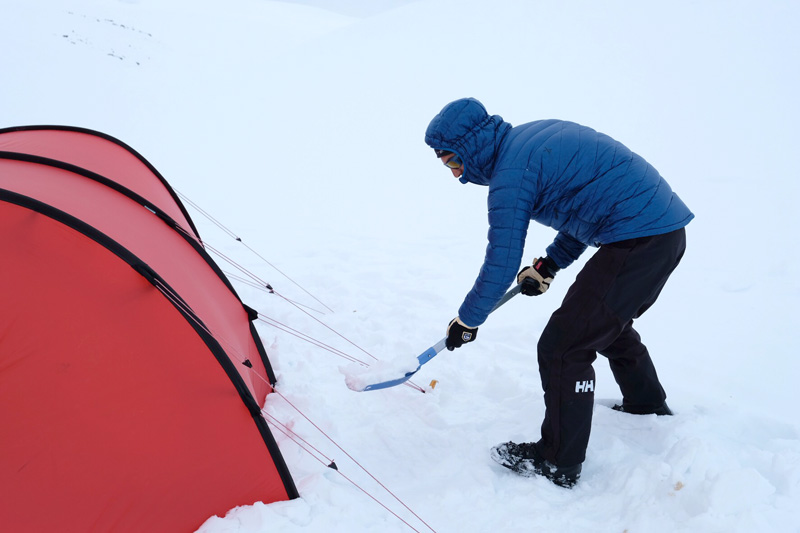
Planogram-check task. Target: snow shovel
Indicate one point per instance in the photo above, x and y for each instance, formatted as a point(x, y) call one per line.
point(431, 352)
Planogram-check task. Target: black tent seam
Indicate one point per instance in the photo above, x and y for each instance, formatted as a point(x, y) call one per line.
point(40, 160)
point(119, 143)
point(30, 158)
point(213, 345)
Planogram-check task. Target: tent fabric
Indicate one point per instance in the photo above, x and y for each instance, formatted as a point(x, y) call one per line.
point(125, 400)
point(102, 154)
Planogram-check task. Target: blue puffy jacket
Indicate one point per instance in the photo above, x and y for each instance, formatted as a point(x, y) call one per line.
point(582, 183)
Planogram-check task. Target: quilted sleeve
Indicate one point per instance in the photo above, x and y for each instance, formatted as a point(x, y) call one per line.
point(509, 217)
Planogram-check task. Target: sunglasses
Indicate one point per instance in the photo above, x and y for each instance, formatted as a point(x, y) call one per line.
point(454, 162)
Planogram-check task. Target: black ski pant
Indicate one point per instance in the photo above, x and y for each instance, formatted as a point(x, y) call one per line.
point(619, 283)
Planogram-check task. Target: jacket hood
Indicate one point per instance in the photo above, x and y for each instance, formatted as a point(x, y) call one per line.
point(465, 128)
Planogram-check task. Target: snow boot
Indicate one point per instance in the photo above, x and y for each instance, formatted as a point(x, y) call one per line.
point(526, 461)
point(663, 410)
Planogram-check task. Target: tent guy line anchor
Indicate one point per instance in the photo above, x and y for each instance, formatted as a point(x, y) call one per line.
point(267, 288)
point(332, 464)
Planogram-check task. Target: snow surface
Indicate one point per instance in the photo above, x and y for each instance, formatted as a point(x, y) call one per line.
point(300, 126)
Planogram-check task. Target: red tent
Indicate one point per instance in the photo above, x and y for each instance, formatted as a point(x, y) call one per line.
point(131, 375)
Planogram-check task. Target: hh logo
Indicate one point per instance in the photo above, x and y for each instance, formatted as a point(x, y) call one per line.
point(584, 386)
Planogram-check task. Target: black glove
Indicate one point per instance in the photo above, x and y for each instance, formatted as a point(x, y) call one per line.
point(459, 334)
point(536, 279)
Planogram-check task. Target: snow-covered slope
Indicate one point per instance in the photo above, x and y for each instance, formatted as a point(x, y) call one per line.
point(300, 124)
